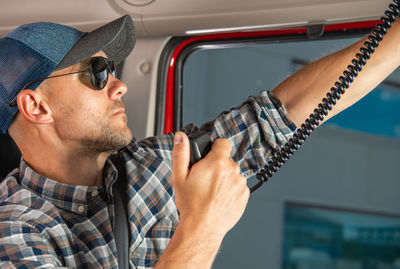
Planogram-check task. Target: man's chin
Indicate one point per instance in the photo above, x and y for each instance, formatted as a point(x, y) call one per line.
point(128, 138)
point(108, 141)
point(123, 138)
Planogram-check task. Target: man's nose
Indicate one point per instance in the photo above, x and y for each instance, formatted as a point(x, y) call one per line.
point(116, 88)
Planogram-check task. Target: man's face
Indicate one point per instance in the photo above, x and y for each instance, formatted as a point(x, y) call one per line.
point(93, 120)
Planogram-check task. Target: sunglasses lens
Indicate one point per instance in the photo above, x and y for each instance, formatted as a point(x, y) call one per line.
point(99, 74)
point(112, 68)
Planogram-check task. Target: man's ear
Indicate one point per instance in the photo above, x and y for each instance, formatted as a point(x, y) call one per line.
point(33, 107)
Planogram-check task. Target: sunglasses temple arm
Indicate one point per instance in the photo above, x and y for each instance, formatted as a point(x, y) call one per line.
point(13, 102)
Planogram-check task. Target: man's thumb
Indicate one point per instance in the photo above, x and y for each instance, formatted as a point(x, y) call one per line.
point(180, 157)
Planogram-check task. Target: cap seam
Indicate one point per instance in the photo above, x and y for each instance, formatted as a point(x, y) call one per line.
point(25, 46)
point(44, 61)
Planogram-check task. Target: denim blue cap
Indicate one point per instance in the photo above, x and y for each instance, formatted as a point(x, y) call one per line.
point(36, 50)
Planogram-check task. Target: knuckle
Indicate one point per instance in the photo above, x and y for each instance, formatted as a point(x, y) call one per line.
point(217, 164)
point(220, 163)
point(239, 181)
point(219, 174)
point(236, 169)
point(243, 182)
point(223, 143)
point(247, 192)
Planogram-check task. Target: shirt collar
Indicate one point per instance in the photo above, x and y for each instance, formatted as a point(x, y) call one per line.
point(73, 198)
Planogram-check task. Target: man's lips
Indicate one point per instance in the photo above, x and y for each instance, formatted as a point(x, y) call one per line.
point(119, 111)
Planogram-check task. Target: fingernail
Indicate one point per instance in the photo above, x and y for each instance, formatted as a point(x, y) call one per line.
point(178, 139)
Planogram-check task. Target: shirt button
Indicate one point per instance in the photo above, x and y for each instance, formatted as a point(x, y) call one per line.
point(81, 208)
point(94, 193)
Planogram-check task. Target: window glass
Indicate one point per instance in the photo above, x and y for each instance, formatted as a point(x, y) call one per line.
point(216, 79)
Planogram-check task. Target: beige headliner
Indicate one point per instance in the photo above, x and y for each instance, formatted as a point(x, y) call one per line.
point(175, 17)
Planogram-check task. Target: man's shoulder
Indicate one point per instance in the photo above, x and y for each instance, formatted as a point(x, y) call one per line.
point(9, 186)
point(23, 207)
point(164, 141)
point(156, 146)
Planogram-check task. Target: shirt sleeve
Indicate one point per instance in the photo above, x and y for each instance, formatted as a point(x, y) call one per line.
point(257, 129)
point(22, 246)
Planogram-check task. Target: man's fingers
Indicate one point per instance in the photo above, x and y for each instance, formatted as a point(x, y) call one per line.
point(180, 158)
point(222, 147)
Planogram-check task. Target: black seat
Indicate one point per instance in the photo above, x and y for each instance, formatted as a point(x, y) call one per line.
point(9, 155)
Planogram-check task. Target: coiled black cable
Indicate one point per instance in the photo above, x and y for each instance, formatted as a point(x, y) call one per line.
point(343, 83)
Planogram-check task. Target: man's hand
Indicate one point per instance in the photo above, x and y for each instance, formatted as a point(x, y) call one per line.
point(211, 198)
point(213, 192)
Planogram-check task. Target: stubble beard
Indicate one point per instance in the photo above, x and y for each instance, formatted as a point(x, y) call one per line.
point(95, 134)
point(108, 140)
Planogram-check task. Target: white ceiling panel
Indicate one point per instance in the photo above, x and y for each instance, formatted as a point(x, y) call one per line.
point(177, 17)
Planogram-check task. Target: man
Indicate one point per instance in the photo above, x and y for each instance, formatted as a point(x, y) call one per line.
point(57, 208)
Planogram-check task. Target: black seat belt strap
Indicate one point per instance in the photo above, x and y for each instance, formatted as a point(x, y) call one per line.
point(121, 228)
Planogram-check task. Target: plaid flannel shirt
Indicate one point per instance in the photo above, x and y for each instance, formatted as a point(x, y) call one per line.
point(44, 223)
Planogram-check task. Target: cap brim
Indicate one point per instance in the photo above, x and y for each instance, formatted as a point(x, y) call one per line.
point(116, 39)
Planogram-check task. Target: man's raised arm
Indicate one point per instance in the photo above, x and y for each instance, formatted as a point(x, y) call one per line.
point(301, 93)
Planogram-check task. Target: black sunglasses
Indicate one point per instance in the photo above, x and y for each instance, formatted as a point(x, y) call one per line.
point(99, 69)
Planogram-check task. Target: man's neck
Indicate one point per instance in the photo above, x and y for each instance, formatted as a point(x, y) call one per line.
point(65, 165)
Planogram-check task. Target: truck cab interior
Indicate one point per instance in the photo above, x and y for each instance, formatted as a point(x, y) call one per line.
point(336, 203)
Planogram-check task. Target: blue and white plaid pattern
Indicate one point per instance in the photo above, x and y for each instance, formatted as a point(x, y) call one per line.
point(44, 223)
